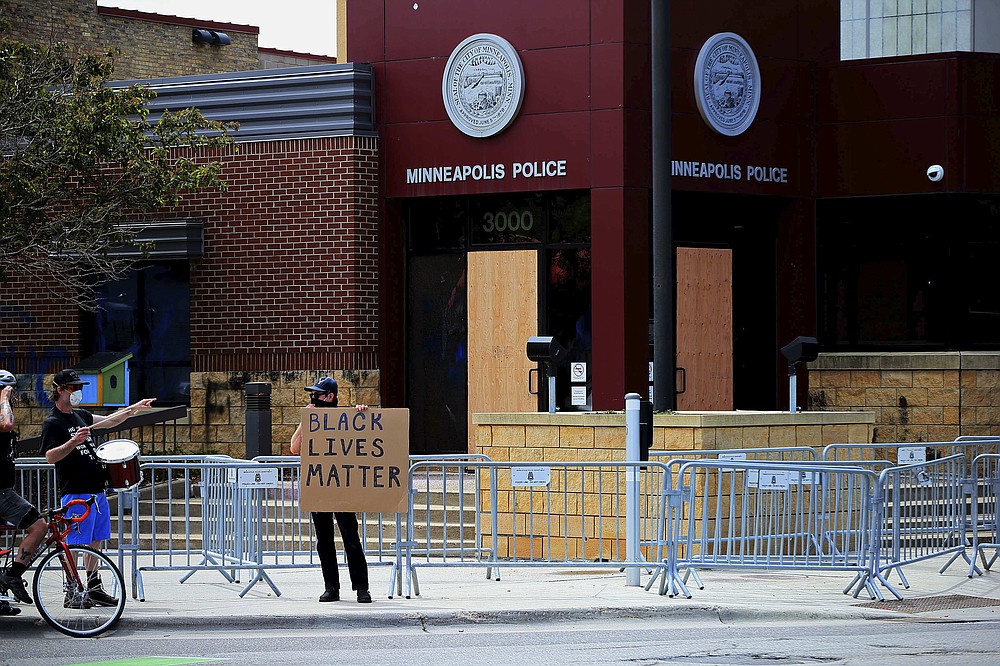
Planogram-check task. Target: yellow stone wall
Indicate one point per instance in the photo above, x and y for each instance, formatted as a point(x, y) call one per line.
point(571, 513)
point(217, 415)
point(915, 397)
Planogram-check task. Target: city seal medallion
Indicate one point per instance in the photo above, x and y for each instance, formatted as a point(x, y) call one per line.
point(727, 83)
point(483, 85)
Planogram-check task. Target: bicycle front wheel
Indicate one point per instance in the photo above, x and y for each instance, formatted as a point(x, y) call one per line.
point(62, 594)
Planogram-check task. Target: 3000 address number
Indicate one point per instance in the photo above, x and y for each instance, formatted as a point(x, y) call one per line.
point(513, 221)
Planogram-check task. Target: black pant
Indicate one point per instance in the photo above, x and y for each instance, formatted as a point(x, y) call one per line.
point(327, 549)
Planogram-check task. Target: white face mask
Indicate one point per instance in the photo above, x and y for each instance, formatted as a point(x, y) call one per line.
point(75, 398)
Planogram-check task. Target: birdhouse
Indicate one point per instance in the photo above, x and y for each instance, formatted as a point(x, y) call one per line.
point(108, 375)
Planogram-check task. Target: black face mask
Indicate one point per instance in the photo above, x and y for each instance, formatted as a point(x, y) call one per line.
point(317, 402)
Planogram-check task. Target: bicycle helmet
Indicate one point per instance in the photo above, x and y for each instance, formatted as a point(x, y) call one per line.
point(7, 379)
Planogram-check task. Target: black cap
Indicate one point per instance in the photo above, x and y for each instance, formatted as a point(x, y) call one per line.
point(67, 378)
point(324, 385)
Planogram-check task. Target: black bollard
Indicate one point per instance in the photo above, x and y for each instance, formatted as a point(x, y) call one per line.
point(258, 395)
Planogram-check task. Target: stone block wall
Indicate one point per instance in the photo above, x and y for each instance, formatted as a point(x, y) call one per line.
point(218, 404)
point(915, 397)
point(586, 519)
point(217, 416)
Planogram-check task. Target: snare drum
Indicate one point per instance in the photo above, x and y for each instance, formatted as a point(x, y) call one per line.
point(121, 458)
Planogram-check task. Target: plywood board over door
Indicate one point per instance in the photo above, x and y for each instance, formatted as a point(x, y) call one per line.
point(503, 314)
point(705, 328)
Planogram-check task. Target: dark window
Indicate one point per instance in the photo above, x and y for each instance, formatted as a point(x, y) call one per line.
point(146, 314)
point(442, 224)
point(507, 219)
point(908, 273)
point(568, 312)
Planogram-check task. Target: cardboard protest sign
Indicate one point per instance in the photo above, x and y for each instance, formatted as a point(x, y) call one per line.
point(354, 461)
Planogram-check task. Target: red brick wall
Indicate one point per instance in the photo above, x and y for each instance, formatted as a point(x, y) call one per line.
point(36, 329)
point(289, 279)
point(290, 274)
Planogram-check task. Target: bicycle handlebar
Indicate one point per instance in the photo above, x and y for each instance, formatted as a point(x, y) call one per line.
point(76, 518)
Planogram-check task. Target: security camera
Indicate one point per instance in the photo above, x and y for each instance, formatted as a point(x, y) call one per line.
point(935, 172)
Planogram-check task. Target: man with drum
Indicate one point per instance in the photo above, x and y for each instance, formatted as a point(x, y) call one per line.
point(14, 508)
point(67, 443)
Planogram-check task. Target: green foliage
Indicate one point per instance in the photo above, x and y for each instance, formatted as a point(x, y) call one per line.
point(78, 158)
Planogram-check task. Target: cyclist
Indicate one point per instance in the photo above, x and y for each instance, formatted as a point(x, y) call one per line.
point(14, 508)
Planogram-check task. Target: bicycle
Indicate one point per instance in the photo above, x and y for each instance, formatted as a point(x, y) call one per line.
point(61, 593)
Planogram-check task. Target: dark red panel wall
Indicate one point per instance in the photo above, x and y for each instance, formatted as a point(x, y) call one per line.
point(883, 123)
point(587, 101)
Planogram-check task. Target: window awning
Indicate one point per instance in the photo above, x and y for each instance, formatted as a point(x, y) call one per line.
point(173, 239)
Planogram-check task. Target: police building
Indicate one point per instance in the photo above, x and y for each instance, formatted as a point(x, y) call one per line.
point(467, 177)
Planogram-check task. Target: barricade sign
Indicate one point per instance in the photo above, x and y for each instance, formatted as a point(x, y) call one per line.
point(909, 455)
point(530, 476)
point(257, 477)
point(354, 461)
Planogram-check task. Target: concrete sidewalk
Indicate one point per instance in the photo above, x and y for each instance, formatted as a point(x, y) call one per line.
point(465, 596)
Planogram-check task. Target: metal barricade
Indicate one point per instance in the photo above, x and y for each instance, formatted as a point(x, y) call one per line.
point(920, 513)
point(287, 533)
point(443, 492)
point(771, 515)
point(674, 458)
point(905, 453)
point(543, 514)
point(985, 522)
point(196, 518)
point(762, 453)
point(35, 481)
point(974, 446)
point(210, 519)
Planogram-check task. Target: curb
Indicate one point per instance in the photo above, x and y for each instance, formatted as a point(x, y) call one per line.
point(444, 618)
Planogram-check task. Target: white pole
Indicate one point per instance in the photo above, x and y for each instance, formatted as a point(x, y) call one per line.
point(632, 487)
point(793, 391)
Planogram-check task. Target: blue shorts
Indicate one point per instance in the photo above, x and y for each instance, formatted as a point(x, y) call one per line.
point(96, 526)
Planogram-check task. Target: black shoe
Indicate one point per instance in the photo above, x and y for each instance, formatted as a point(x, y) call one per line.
point(77, 601)
point(7, 609)
point(97, 593)
point(102, 598)
point(331, 594)
point(364, 597)
point(17, 587)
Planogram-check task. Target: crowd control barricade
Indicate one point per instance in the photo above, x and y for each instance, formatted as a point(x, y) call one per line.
point(973, 446)
point(196, 517)
point(229, 516)
point(771, 515)
point(544, 514)
point(906, 453)
point(288, 538)
point(755, 454)
point(921, 513)
point(35, 481)
point(985, 511)
point(444, 518)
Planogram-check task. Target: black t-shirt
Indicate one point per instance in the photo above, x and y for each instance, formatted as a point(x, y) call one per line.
point(81, 471)
point(8, 446)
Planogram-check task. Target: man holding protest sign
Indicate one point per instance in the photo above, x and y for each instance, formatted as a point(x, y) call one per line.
point(324, 394)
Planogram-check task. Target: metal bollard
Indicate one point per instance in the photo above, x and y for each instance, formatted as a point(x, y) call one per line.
point(632, 455)
point(258, 430)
